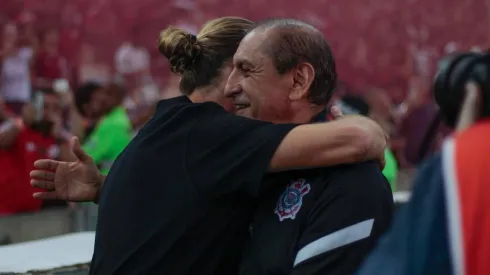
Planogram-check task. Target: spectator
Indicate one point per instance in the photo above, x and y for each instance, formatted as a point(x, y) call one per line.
point(15, 84)
point(444, 228)
point(88, 98)
point(49, 64)
point(132, 64)
point(113, 130)
point(37, 135)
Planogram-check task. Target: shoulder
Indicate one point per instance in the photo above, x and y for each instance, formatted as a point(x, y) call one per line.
point(180, 106)
point(357, 173)
point(362, 183)
point(116, 119)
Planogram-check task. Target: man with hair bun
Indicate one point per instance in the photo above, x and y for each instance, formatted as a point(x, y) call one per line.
point(179, 198)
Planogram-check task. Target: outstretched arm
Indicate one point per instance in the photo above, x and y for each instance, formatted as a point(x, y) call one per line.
point(79, 180)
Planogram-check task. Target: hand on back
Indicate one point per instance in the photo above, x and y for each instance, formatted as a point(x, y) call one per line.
point(378, 137)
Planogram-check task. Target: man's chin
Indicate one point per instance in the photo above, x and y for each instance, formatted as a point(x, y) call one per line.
point(245, 112)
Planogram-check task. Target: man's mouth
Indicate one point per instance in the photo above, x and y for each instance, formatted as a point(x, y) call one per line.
point(241, 106)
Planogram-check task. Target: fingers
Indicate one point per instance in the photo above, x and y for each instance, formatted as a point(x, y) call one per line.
point(336, 112)
point(470, 110)
point(46, 164)
point(43, 184)
point(45, 195)
point(77, 150)
point(42, 175)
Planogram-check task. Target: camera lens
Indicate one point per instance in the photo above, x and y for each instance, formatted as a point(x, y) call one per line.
point(454, 71)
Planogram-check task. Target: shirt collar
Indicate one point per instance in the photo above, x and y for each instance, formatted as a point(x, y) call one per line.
point(118, 110)
point(322, 116)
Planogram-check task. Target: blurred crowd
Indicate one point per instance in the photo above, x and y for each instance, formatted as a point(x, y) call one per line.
point(42, 105)
point(46, 97)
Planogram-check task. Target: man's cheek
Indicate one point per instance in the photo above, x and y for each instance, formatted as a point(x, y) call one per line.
point(229, 106)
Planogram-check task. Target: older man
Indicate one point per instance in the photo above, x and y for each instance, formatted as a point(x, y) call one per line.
point(199, 229)
point(319, 221)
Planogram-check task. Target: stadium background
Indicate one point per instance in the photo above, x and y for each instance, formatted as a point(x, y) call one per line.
point(379, 45)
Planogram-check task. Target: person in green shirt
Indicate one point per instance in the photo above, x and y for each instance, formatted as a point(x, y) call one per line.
point(113, 131)
point(357, 105)
point(391, 169)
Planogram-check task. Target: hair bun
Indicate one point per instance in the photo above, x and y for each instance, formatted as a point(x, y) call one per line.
point(180, 48)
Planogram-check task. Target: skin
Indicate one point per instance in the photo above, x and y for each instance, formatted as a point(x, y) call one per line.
point(253, 88)
point(215, 91)
point(253, 85)
point(101, 103)
point(52, 108)
point(260, 92)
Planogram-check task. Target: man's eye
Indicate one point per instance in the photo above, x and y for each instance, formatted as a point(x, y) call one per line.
point(244, 70)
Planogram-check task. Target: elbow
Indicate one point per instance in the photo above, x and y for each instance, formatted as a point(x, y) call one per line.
point(365, 144)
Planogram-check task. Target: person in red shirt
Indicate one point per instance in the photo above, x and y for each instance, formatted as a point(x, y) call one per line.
point(36, 136)
point(49, 64)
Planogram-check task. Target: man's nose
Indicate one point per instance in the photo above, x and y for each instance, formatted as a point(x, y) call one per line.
point(232, 87)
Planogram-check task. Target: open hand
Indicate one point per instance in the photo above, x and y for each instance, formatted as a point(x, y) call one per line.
point(75, 181)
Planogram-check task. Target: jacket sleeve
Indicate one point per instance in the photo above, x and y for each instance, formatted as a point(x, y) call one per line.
point(417, 242)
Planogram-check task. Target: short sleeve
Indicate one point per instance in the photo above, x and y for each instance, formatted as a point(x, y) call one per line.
point(227, 153)
point(345, 222)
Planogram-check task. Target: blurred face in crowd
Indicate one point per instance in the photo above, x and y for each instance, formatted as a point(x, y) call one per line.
point(51, 113)
point(98, 101)
point(10, 35)
point(52, 108)
point(113, 95)
point(258, 90)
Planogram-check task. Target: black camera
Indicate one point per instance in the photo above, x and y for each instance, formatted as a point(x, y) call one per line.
point(454, 72)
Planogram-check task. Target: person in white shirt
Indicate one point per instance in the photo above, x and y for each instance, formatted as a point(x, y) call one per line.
point(15, 84)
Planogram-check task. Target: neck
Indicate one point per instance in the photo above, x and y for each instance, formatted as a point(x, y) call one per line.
point(197, 97)
point(171, 93)
point(304, 112)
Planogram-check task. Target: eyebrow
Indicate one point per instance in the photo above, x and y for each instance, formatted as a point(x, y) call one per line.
point(243, 62)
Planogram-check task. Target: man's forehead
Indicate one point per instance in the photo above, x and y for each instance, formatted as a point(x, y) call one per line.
point(252, 44)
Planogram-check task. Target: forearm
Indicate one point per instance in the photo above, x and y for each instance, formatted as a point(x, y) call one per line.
point(326, 144)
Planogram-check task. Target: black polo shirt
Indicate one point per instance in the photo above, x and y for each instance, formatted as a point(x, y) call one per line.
point(320, 221)
point(179, 199)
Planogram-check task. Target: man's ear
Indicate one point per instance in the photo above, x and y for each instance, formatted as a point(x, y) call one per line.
point(303, 76)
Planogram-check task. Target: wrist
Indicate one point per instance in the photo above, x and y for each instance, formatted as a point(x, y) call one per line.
point(98, 186)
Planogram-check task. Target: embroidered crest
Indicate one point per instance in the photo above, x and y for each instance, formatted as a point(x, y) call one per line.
point(290, 201)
